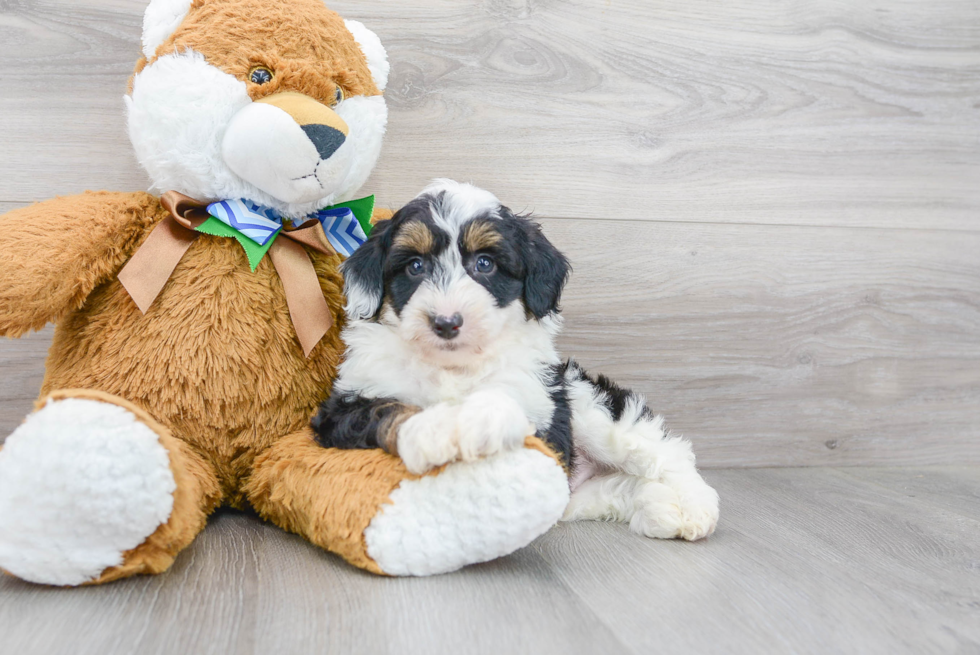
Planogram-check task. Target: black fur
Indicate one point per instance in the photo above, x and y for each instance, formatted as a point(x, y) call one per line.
point(547, 270)
point(612, 396)
point(528, 266)
point(365, 267)
point(350, 421)
point(559, 433)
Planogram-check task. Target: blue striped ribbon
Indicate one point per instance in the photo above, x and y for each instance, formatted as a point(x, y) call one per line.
point(260, 224)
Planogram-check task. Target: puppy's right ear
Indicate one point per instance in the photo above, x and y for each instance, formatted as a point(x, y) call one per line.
point(364, 274)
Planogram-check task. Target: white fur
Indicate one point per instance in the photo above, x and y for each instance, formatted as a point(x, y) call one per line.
point(479, 390)
point(463, 201)
point(428, 439)
point(265, 146)
point(160, 20)
point(380, 364)
point(81, 482)
point(489, 421)
point(373, 50)
point(470, 512)
point(655, 485)
point(180, 113)
point(485, 423)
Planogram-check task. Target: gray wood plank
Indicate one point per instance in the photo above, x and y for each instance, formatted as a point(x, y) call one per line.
point(779, 113)
point(10, 206)
point(776, 346)
point(247, 587)
point(21, 372)
point(766, 345)
point(956, 489)
point(804, 560)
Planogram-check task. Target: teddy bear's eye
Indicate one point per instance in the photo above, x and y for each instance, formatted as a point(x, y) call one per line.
point(260, 75)
point(338, 95)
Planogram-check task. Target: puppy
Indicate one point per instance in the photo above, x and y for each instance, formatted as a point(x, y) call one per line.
point(453, 310)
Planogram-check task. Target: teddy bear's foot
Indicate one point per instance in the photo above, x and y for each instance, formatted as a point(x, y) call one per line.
point(84, 482)
point(367, 507)
point(470, 512)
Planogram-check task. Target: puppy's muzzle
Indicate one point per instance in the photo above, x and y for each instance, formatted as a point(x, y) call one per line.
point(447, 327)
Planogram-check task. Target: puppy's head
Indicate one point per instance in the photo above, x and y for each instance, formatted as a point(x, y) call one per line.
point(453, 270)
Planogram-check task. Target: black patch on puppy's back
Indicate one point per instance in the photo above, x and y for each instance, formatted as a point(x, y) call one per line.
point(609, 394)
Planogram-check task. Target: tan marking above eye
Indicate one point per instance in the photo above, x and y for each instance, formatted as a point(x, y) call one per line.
point(480, 235)
point(415, 236)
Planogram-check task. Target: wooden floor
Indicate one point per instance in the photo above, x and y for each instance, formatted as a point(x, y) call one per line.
point(773, 211)
point(820, 560)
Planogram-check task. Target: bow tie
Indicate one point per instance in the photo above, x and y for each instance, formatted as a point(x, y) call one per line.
point(345, 225)
point(340, 228)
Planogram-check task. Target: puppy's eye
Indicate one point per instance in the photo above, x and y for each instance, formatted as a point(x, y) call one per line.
point(416, 266)
point(484, 264)
point(338, 95)
point(260, 75)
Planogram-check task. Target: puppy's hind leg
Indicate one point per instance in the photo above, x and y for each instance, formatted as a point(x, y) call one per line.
point(653, 509)
point(651, 480)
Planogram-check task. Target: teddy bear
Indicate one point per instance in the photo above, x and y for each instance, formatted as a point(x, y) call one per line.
point(197, 330)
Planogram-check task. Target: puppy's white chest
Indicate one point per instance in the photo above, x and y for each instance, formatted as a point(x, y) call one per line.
point(449, 385)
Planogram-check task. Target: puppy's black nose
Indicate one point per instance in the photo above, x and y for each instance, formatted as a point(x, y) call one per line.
point(447, 327)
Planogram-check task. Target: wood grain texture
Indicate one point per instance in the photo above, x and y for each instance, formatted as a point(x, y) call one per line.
point(805, 560)
point(21, 372)
point(823, 113)
point(825, 562)
point(785, 346)
point(766, 345)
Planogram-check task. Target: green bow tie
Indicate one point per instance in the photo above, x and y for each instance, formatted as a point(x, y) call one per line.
point(346, 225)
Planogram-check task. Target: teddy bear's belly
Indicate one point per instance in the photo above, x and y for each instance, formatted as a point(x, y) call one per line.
point(215, 358)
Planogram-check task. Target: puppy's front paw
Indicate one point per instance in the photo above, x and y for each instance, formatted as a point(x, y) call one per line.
point(489, 422)
point(428, 439)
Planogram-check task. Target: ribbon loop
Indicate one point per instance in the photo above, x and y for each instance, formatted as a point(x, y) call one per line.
point(148, 270)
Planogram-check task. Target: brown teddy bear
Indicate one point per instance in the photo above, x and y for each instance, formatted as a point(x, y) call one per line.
point(197, 331)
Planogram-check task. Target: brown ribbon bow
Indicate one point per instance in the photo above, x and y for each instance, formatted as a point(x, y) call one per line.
point(148, 270)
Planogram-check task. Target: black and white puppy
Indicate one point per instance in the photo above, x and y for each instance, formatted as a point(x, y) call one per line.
point(453, 310)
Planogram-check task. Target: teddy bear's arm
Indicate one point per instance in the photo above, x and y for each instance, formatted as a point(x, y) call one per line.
point(56, 252)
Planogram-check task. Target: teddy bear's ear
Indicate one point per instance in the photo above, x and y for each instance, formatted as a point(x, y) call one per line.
point(160, 20)
point(377, 58)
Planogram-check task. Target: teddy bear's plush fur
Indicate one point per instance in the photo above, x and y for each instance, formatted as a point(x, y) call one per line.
point(213, 372)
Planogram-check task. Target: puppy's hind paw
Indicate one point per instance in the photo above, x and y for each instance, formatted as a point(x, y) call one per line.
point(659, 511)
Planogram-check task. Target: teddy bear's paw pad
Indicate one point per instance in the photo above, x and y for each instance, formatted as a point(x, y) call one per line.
point(81, 482)
point(470, 512)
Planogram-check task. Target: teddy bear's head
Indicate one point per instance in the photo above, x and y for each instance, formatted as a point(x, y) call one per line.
point(273, 101)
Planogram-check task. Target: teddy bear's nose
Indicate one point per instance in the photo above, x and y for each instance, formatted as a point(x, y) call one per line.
point(325, 129)
point(326, 139)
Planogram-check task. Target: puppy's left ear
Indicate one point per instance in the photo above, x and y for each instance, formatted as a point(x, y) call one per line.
point(364, 274)
point(546, 269)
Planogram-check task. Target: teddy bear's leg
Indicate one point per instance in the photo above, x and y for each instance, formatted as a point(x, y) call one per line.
point(366, 506)
point(92, 489)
